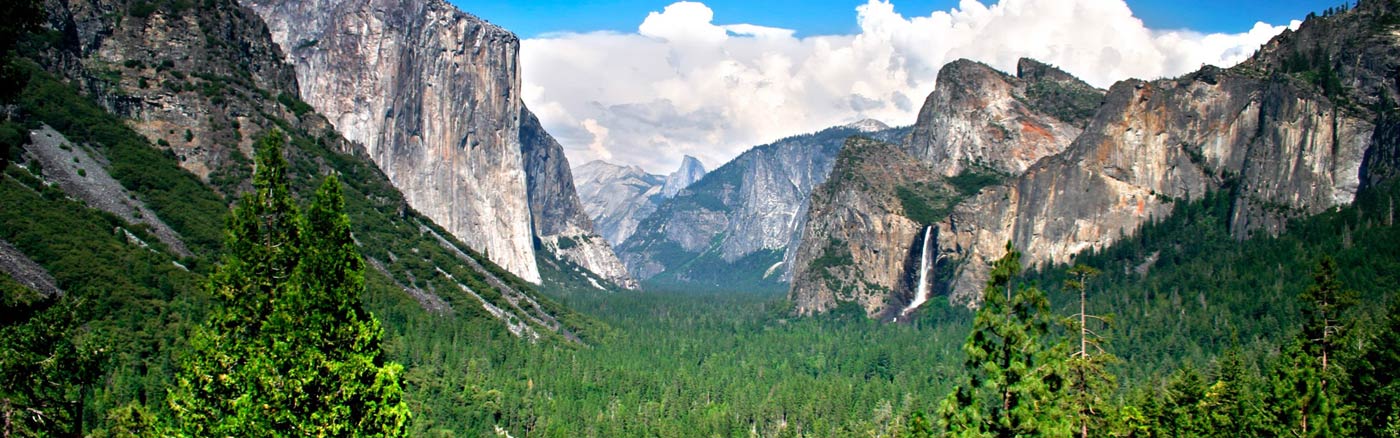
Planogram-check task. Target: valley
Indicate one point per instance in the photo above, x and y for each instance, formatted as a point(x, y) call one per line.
point(367, 218)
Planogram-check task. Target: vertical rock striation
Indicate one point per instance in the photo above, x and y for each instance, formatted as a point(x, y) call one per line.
point(434, 96)
point(1298, 129)
point(560, 222)
point(1289, 152)
point(978, 126)
point(853, 249)
point(982, 119)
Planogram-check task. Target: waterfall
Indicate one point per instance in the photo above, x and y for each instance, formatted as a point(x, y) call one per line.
point(921, 293)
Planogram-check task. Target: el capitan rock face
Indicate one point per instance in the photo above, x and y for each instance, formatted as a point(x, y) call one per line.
point(212, 68)
point(434, 96)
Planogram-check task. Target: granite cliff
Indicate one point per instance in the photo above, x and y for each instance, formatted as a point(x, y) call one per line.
point(1296, 130)
point(691, 170)
point(433, 94)
point(978, 127)
point(561, 224)
point(1287, 132)
point(735, 226)
point(193, 85)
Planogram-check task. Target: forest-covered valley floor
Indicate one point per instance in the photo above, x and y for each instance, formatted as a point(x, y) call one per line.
point(1212, 312)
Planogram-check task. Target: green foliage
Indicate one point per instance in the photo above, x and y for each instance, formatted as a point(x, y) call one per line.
point(1014, 378)
point(1316, 68)
point(710, 272)
point(973, 179)
point(12, 137)
point(135, 299)
point(288, 347)
point(229, 177)
point(1090, 384)
point(567, 242)
point(44, 363)
point(1375, 385)
point(925, 203)
point(683, 363)
point(132, 421)
point(294, 104)
point(1073, 103)
point(21, 18)
point(931, 202)
point(180, 199)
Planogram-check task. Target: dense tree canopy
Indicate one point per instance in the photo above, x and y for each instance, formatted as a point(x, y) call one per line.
point(288, 348)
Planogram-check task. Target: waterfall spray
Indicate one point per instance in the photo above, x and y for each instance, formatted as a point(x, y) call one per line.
point(921, 293)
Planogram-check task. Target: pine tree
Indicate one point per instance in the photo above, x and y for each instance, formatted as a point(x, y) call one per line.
point(1231, 402)
point(1089, 379)
point(1306, 385)
point(1013, 379)
point(44, 363)
point(1376, 380)
point(288, 348)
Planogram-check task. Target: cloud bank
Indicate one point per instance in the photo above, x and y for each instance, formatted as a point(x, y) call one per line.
point(683, 84)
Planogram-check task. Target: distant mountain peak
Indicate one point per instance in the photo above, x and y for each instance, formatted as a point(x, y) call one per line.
point(868, 125)
point(691, 170)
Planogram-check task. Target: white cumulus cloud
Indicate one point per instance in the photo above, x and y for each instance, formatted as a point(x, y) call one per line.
point(685, 85)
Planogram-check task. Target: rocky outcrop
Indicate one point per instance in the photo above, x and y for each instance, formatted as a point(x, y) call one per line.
point(1288, 140)
point(736, 225)
point(1296, 130)
point(982, 119)
point(617, 198)
point(691, 171)
point(978, 127)
point(214, 62)
point(201, 81)
point(858, 233)
point(83, 177)
point(433, 95)
point(560, 222)
point(26, 272)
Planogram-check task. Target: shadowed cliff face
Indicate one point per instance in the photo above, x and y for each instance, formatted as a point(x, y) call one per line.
point(433, 94)
point(979, 127)
point(560, 222)
point(857, 231)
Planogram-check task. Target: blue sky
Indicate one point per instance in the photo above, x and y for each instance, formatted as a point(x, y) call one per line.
point(826, 17)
